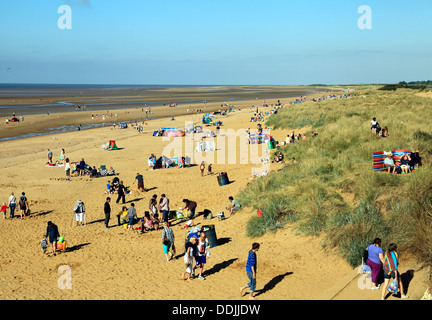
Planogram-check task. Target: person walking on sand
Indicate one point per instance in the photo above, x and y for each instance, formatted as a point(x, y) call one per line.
point(391, 271)
point(52, 234)
point(188, 257)
point(251, 270)
point(167, 241)
point(107, 211)
point(131, 215)
point(3, 209)
point(201, 254)
point(140, 180)
point(79, 211)
point(23, 204)
point(121, 191)
point(12, 205)
point(375, 260)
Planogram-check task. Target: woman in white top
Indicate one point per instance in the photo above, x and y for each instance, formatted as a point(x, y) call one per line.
point(67, 167)
point(12, 204)
point(374, 124)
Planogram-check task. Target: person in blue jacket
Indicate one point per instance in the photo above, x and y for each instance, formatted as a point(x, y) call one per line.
point(52, 234)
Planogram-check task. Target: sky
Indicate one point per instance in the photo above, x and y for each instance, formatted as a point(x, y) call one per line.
point(235, 42)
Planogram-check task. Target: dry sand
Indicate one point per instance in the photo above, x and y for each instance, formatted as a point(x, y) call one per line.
point(116, 264)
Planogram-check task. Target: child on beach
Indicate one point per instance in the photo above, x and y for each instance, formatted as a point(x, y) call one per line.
point(108, 190)
point(251, 268)
point(3, 209)
point(44, 244)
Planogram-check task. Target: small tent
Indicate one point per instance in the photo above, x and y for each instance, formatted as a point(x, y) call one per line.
point(112, 145)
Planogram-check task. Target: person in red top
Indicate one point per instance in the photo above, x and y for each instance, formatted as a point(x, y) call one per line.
point(3, 209)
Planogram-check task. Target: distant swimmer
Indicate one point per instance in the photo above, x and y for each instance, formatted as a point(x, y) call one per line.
point(7, 70)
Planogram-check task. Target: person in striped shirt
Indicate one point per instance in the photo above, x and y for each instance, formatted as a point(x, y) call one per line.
point(251, 270)
point(168, 241)
point(391, 270)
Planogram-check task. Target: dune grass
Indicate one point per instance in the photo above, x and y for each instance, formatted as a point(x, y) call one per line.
point(333, 191)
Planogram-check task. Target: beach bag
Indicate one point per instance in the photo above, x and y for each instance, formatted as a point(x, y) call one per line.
point(179, 215)
point(393, 287)
point(365, 267)
point(165, 239)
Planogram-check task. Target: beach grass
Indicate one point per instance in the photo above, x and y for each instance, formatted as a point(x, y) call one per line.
point(333, 190)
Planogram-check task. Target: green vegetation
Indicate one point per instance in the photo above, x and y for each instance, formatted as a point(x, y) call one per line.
point(333, 191)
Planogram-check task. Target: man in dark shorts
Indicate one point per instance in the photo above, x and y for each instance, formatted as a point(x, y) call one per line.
point(23, 204)
point(52, 234)
point(140, 179)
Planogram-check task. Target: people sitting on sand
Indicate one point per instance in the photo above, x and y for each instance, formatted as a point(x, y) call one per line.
point(389, 163)
point(147, 223)
point(111, 172)
point(94, 172)
point(405, 159)
point(234, 206)
point(75, 170)
point(53, 164)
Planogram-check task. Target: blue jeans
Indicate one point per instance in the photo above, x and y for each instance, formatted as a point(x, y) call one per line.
point(12, 209)
point(252, 283)
point(165, 215)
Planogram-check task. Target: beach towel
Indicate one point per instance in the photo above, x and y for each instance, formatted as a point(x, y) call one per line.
point(390, 262)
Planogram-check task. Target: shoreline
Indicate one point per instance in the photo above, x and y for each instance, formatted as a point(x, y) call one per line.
point(68, 121)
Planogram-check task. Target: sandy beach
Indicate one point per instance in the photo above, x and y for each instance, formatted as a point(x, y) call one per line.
point(115, 263)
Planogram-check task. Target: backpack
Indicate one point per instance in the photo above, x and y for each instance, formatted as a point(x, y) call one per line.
point(22, 200)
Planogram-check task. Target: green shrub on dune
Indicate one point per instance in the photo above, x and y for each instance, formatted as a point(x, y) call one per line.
point(333, 190)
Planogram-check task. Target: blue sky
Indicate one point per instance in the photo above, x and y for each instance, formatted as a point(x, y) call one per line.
point(235, 42)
